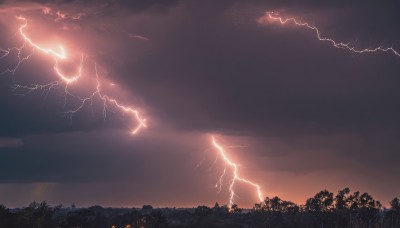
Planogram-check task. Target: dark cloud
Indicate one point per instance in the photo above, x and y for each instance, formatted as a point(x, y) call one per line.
point(10, 142)
point(246, 75)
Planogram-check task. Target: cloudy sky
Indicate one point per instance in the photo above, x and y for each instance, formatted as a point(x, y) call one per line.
point(297, 114)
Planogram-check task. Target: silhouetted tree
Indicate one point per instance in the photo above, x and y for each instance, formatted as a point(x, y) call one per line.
point(147, 209)
point(235, 209)
point(5, 217)
point(220, 209)
point(393, 216)
point(320, 207)
point(203, 210)
point(341, 199)
point(342, 212)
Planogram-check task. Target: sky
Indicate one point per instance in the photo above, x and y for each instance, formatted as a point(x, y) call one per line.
point(298, 115)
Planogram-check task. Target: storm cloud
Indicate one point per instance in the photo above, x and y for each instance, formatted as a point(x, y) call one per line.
point(311, 116)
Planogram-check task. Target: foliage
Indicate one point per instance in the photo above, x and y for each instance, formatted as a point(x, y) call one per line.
point(324, 210)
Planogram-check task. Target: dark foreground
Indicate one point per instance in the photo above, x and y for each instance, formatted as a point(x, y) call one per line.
point(324, 210)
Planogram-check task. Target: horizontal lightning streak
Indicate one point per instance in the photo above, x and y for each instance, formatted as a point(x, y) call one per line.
point(271, 16)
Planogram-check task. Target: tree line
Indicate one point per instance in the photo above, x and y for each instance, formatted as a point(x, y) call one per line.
point(345, 209)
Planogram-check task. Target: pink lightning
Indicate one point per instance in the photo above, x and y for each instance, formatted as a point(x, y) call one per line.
point(236, 177)
point(66, 80)
point(274, 17)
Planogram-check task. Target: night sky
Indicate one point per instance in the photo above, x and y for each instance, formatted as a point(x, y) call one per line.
point(301, 116)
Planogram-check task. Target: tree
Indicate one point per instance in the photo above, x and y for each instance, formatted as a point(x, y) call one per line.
point(369, 209)
point(5, 217)
point(395, 204)
point(342, 203)
point(363, 209)
point(203, 210)
point(321, 202)
point(276, 204)
point(394, 213)
point(341, 199)
point(216, 206)
point(235, 209)
point(147, 209)
point(320, 207)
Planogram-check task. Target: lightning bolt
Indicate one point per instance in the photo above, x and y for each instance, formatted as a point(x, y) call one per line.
point(275, 17)
point(235, 172)
point(66, 80)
